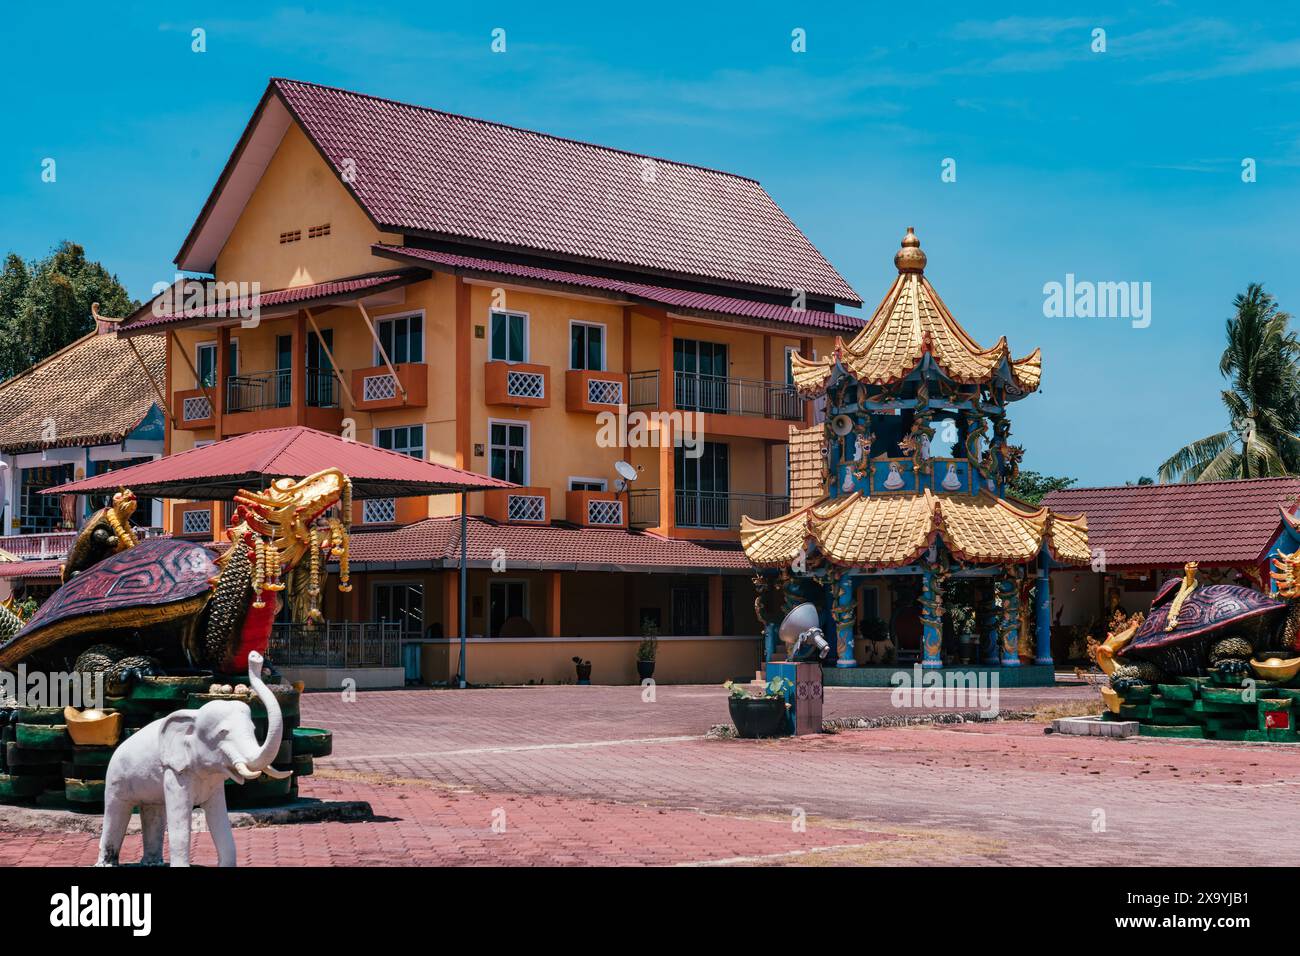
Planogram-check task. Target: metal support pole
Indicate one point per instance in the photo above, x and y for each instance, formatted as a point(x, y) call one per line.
point(462, 614)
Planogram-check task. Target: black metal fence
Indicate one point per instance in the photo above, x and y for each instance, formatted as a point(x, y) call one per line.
point(719, 395)
point(252, 391)
point(337, 644)
point(719, 510)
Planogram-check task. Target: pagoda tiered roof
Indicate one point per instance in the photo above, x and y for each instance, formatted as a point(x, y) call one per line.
point(910, 323)
point(887, 531)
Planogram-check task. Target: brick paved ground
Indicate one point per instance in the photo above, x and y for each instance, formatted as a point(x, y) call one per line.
point(593, 775)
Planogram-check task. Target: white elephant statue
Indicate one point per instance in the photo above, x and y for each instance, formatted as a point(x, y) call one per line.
point(183, 761)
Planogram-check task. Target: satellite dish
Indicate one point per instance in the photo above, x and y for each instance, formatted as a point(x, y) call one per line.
point(841, 425)
point(626, 470)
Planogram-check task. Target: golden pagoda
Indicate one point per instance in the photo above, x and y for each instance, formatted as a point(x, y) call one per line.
point(902, 487)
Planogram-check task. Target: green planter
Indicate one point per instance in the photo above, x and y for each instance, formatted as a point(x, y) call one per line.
point(83, 791)
point(253, 793)
point(758, 717)
point(304, 766)
point(42, 736)
point(312, 742)
point(16, 786)
point(170, 688)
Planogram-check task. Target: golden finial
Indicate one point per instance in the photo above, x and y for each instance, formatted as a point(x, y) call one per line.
point(910, 258)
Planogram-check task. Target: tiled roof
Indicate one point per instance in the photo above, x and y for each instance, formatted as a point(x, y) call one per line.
point(92, 392)
point(30, 569)
point(146, 319)
point(892, 530)
point(911, 322)
point(676, 300)
point(436, 541)
point(1213, 522)
point(806, 457)
point(421, 170)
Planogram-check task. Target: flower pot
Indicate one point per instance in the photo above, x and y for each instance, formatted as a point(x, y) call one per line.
point(584, 673)
point(645, 669)
point(966, 648)
point(756, 717)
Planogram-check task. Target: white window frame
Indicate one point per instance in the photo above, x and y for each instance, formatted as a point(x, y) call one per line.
point(424, 450)
point(528, 446)
point(528, 335)
point(604, 344)
point(424, 331)
point(365, 504)
point(213, 344)
point(787, 376)
point(493, 581)
point(573, 479)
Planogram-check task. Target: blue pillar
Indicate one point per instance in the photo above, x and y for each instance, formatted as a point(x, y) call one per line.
point(844, 613)
point(1009, 596)
point(769, 639)
point(986, 617)
point(1043, 613)
point(931, 620)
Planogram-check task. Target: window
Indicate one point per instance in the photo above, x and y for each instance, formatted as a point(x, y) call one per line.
point(690, 610)
point(587, 484)
point(38, 512)
point(205, 362)
point(509, 337)
point(508, 451)
point(506, 600)
point(379, 511)
point(408, 439)
point(790, 352)
point(587, 346)
point(403, 603)
point(316, 232)
point(402, 337)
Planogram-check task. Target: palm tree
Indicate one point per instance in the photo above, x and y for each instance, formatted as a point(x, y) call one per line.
point(1262, 365)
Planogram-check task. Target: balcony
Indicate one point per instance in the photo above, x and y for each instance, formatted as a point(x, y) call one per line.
point(257, 400)
point(518, 505)
point(706, 510)
point(54, 545)
point(742, 407)
point(595, 509)
point(587, 391)
point(192, 409)
point(376, 388)
point(517, 384)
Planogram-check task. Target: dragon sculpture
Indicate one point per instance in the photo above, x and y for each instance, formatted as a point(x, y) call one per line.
point(130, 607)
point(1193, 628)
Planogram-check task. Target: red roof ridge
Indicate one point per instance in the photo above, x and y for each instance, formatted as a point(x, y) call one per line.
point(1176, 484)
point(277, 80)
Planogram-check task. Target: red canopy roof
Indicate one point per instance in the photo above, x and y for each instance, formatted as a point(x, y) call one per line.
point(29, 569)
point(215, 472)
point(1212, 522)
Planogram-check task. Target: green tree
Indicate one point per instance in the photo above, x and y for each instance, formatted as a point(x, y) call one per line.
point(1031, 486)
point(45, 304)
point(1262, 366)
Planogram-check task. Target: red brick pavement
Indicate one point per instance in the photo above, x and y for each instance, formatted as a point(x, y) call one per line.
point(592, 775)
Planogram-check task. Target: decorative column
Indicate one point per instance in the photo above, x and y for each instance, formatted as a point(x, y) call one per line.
point(1043, 612)
point(844, 613)
point(763, 586)
point(986, 619)
point(1009, 598)
point(931, 619)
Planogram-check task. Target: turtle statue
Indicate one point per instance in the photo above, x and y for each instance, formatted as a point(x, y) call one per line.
point(163, 603)
point(1193, 628)
point(106, 532)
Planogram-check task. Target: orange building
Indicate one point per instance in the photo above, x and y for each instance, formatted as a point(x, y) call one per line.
point(524, 306)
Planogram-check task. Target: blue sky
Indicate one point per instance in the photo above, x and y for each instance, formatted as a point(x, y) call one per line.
point(1123, 165)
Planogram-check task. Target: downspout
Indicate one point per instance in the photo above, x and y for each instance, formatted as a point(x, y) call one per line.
point(463, 614)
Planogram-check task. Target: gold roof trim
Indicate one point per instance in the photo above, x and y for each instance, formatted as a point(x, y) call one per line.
point(807, 454)
point(893, 530)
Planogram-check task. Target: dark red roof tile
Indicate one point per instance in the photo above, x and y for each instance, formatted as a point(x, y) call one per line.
point(422, 170)
point(1213, 522)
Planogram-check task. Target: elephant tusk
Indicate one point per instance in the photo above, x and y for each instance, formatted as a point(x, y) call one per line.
point(277, 774)
point(241, 768)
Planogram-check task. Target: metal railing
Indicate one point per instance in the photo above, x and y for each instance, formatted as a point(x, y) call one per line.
point(337, 644)
point(253, 391)
point(54, 545)
point(719, 395)
point(720, 510)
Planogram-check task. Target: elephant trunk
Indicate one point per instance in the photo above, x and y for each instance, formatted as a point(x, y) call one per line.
point(274, 720)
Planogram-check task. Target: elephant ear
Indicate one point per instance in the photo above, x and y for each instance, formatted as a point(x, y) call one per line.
point(176, 740)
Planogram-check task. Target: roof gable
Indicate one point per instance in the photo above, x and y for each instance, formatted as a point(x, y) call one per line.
point(422, 171)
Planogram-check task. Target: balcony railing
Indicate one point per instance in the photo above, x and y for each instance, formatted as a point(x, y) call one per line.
point(54, 545)
point(717, 510)
point(337, 644)
point(719, 395)
point(254, 391)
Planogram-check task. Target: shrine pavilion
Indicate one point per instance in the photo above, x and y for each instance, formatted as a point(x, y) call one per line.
point(898, 499)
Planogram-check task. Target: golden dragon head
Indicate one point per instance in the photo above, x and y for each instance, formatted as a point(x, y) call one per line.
point(1286, 574)
point(283, 524)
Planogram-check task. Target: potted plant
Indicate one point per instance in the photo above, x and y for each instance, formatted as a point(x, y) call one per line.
point(584, 670)
point(647, 650)
point(761, 713)
point(963, 622)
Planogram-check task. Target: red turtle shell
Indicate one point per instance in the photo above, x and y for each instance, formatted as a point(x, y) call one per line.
point(1209, 608)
